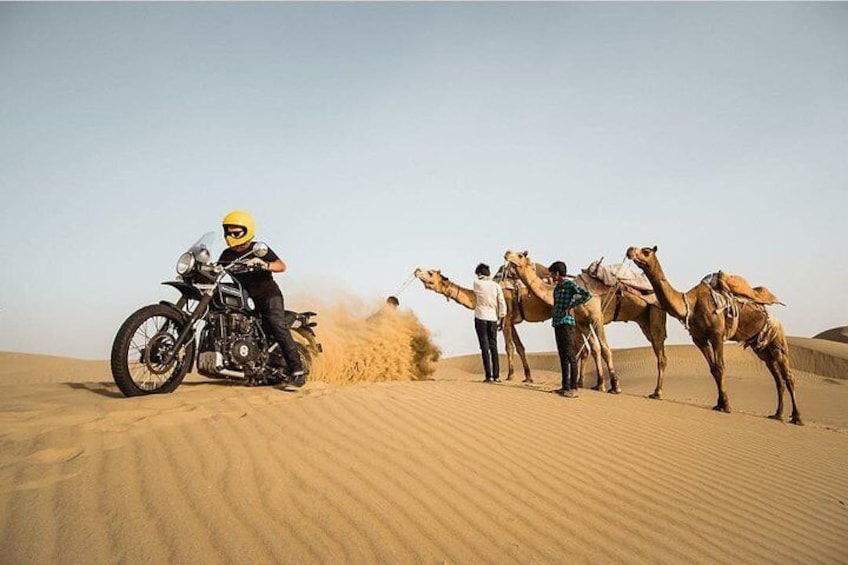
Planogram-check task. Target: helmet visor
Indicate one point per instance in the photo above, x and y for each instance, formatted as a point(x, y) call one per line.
point(235, 232)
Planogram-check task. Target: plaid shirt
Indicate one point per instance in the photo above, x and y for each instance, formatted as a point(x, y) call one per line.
point(567, 295)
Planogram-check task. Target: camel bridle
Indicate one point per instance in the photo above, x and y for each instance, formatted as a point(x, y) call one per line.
point(448, 284)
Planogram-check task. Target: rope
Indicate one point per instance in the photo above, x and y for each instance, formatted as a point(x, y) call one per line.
point(405, 285)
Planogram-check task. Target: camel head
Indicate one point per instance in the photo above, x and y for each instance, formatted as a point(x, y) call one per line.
point(645, 257)
point(520, 260)
point(433, 279)
point(517, 258)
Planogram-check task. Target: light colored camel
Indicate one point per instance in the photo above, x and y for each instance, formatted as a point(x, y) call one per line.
point(587, 317)
point(710, 325)
point(612, 306)
point(529, 308)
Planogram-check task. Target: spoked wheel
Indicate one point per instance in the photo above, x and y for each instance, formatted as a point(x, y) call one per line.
point(141, 351)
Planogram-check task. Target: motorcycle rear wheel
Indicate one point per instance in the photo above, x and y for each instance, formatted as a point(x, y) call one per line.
point(144, 340)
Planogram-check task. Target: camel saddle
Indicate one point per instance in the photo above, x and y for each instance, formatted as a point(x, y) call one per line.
point(739, 287)
point(619, 274)
point(600, 280)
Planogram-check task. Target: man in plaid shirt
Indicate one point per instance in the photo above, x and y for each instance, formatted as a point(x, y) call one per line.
point(567, 295)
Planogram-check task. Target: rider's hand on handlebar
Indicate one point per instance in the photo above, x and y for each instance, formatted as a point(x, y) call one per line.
point(257, 264)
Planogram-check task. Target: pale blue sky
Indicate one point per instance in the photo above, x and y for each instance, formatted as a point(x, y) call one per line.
point(368, 139)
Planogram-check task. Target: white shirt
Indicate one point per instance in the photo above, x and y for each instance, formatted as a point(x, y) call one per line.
point(491, 305)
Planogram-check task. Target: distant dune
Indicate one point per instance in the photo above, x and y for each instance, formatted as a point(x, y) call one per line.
point(834, 334)
point(820, 356)
point(447, 470)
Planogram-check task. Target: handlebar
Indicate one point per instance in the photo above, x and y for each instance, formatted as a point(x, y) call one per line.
point(238, 265)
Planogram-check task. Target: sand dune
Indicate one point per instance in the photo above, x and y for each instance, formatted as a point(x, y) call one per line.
point(449, 470)
point(834, 334)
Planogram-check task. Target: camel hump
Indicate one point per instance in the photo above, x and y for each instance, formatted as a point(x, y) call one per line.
point(738, 286)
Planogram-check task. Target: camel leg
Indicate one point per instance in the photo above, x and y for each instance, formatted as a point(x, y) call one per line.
point(581, 362)
point(521, 355)
point(509, 346)
point(777, 362)
point(767, 357)
point(789, 380)
point(715, 359)
point(606, 352)
point(656, 334)
point(595, 349)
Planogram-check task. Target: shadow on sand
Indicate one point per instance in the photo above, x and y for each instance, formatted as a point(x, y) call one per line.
point(109, 390)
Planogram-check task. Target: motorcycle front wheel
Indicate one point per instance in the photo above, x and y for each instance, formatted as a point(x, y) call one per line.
point(143, 344)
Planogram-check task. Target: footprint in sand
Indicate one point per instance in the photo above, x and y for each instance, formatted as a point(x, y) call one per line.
point(53, 455)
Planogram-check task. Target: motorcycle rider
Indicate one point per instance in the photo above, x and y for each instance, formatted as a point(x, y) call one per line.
point(239, 231)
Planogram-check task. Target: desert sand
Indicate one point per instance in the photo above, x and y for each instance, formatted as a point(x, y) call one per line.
point(444, 470)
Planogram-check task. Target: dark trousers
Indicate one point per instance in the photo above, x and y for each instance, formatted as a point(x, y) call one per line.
point(564, 336)
point(273, 311)
point(487, 335)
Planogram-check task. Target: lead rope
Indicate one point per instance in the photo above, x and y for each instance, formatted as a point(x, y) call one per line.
point(404, 286)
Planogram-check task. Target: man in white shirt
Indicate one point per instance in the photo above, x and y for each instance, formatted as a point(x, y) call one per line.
point(490, 309)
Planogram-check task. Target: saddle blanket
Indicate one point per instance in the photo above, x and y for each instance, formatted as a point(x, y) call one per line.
point(738, 286)
point(618, 273)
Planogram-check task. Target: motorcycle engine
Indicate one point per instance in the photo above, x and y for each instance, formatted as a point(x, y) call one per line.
point(242, 346)
point(232, 346)
point(242, 351)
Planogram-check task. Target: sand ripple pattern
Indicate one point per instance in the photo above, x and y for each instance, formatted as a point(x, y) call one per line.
point(446, 471)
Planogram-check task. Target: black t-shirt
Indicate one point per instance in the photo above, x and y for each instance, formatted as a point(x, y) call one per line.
point(259, 284)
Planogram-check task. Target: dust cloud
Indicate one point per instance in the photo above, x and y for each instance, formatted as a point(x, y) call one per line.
point(371, 344)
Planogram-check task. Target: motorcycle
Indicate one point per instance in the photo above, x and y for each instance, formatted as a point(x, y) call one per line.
point(213, 327)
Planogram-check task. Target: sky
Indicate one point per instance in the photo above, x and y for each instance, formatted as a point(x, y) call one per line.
point(371, 138)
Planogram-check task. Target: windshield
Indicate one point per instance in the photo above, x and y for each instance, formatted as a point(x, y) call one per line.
point(202, 248)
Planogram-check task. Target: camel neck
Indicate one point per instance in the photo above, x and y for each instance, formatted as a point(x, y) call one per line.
point(671, 299)
point(542, 290)
point(460, 295)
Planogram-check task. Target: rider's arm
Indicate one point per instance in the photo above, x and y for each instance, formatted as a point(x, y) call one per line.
point(277, 266)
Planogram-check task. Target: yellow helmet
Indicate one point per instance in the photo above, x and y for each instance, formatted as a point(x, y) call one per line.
point(238, 219)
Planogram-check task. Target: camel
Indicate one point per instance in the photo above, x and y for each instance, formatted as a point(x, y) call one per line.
point(588, 318)
point(713, 318)
point(519, 307)
point(606, 307)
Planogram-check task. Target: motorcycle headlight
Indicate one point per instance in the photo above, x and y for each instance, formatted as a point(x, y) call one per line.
point(185, 264)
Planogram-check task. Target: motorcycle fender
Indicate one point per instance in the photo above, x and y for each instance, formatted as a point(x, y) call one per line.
point(186, 290)
point(311, 338)
point(176, 310)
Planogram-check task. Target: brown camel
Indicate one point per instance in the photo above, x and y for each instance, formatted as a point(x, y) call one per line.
point(617, 305)
point(530, 309)
point(712, 319)
point(587, 317)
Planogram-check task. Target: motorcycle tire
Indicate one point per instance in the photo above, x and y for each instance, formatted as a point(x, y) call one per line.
point(149, 333)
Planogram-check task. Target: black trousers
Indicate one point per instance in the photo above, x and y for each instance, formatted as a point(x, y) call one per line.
point(565, 342)
point(487, 335)
point(273, 311)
